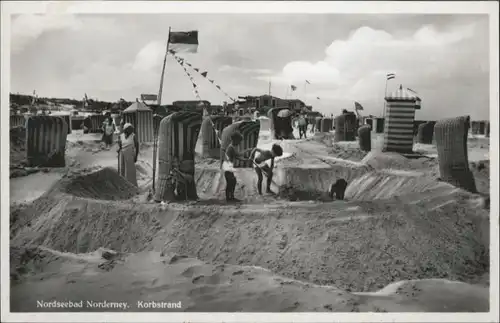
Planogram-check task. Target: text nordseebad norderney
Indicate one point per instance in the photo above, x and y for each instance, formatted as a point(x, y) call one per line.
point(106, 305)
point(83, 304)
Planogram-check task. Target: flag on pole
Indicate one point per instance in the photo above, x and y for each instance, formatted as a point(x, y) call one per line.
point(357, 106)
point(293, 87)
point(183, 41)
point(390, 76)
point(85, 100)
point(308, 82)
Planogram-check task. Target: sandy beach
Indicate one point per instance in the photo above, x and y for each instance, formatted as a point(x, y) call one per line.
point(401, 241)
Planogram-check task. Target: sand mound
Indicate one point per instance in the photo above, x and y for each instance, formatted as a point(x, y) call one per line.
point(64, 223)
point(104, 184)
point(322, 144)
point(390, 160)
point(202, 287)
point(388, 184)
point(360, 246)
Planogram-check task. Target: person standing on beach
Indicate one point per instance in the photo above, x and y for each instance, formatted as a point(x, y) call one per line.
point(108, 129)
point(128, 152)
point(230, 157)
point(302, 123)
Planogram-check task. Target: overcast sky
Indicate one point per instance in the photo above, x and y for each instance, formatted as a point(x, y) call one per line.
point(445, 58)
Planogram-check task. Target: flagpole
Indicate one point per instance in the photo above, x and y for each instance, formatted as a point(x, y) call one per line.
point(385, 94)
point(160, 92)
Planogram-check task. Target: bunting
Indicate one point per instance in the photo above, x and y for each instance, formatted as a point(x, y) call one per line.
point(184, 63)
point(195, 91)
point(195, 87)
point(358, 106)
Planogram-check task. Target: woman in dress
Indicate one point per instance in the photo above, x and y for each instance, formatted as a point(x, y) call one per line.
point(128, 153)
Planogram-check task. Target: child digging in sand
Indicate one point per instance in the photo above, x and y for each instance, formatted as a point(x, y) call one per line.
point(264, 162)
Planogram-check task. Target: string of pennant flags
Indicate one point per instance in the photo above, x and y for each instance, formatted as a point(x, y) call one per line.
point(182, 61)
point(195, 90)
point(195, 86)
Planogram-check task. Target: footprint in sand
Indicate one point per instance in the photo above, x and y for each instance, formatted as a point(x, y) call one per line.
point(207, 280)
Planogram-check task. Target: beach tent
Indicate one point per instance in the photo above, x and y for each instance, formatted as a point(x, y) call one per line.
point(141, 117)
point(400, 116)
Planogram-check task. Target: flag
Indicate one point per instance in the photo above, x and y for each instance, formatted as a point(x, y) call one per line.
point(308, 82)
point(33, 99)
point(211, 81)
point(293, 87)
point(390, 76)
point(183, 41)
point(149, 97)
point(196, 69)
point(411, 90)
point(204, 74)
point(318, 98)
point(357, 106)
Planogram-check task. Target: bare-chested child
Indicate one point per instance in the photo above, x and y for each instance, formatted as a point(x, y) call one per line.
point(264, 162)
point(230, 157)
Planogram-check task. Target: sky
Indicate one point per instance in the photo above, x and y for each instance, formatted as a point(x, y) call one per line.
point(345, 57)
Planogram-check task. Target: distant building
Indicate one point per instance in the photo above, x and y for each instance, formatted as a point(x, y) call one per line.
point(216, 109)
point(270, 101)
point(192, 105)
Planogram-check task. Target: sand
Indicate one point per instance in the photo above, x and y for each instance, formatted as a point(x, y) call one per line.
point(204, 287)
point(288, 252)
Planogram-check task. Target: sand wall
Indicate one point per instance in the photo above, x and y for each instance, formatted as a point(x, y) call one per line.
point(359, 246)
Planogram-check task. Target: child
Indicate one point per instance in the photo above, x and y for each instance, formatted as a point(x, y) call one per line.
point(108, 129)
point(338, 189)
point(264, 162)
point(230, 157)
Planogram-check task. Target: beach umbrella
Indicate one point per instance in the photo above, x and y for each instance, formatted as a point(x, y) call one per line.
point(285, 113)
